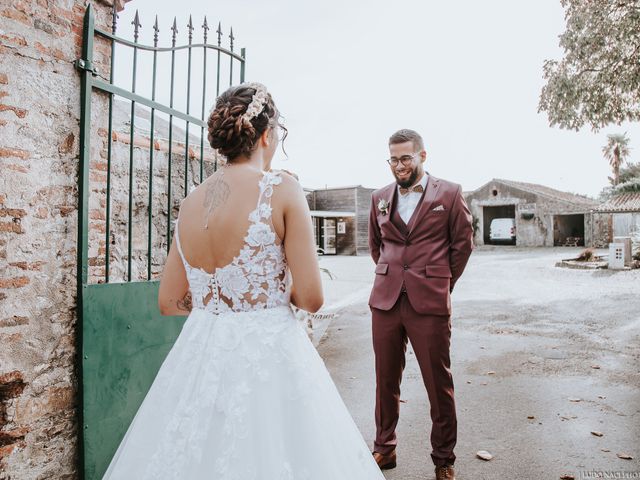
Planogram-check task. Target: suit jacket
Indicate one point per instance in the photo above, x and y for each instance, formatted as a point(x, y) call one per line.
point(425, 257)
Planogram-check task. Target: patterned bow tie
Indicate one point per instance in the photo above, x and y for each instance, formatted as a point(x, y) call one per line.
point(416, 188)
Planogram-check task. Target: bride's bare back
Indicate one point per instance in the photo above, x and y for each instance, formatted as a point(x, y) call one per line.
point(213, 225)
point(214, 218)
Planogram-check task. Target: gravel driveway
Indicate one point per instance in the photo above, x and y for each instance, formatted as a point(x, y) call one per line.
point(563, 347)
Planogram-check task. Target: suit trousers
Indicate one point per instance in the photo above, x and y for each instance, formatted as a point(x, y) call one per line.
point(430, 337)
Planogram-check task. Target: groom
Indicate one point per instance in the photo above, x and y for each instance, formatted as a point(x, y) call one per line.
point(420, 237)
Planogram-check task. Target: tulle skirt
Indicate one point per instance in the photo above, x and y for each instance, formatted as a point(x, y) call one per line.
point(243, 396)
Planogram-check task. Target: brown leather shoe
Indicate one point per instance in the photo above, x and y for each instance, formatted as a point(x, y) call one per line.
point(385, 462)
point(445, 472)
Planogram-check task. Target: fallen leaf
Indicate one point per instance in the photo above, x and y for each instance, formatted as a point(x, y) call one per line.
point(573, 399)
point(625, 456)
point(597, 434)
point(530, 417)
point(484, 455)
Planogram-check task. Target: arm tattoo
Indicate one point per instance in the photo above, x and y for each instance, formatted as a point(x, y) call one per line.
point(215, 195)
point(185, 303)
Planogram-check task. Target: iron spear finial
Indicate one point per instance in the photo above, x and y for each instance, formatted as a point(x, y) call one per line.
point(205, 27)
point(190, 28)
point(156, 30)
point(174, 28)
point(114, 18)
point(136, 26)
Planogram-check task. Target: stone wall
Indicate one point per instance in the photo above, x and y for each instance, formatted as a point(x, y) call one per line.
point(119, 188)
point(602, 230)
point(39, 164)
point(39, 118)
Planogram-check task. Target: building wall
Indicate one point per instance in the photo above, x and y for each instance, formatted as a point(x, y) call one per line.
point(601, 229)
point(363, 206)
point(39, 118)
point(626, 223)
point(345, 241)
point(160, 207)
point(39, 160)
point(338, 199)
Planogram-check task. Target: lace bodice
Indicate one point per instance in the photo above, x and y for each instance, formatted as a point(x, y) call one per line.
point(257, 277)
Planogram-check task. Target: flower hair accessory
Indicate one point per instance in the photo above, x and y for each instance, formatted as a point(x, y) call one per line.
point(258, 101)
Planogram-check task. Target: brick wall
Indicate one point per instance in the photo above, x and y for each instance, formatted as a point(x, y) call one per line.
point(39, 128)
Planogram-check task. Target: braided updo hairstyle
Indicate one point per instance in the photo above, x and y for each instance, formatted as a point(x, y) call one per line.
point(230, 132)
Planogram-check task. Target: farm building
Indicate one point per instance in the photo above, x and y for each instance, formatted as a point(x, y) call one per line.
point(542, 216)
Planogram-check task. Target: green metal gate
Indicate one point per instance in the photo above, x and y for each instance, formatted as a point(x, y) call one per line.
point(122, 337)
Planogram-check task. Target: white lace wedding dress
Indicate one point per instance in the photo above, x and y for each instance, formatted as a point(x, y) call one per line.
point(243, 394)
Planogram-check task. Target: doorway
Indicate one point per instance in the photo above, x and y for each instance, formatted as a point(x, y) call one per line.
point(491, 213)
point(568, 230)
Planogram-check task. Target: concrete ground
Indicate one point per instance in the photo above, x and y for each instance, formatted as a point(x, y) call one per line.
point(564, 346)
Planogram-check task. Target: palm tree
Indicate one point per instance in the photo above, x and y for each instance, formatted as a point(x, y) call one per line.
point(616, 152)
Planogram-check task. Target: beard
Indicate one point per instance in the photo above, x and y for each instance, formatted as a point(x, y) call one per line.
point(408, 182)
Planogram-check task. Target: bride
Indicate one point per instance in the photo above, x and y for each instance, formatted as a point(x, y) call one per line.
point(243, 394)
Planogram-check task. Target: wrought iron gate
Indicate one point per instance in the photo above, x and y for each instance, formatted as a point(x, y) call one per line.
point(121, 335)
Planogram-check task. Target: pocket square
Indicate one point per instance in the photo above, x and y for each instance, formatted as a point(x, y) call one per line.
point(439, 208)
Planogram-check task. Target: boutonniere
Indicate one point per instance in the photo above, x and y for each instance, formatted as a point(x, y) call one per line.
point(383, 206)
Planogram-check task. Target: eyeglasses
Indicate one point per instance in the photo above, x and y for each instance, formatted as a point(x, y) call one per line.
point(279, 130)
point(405, 160)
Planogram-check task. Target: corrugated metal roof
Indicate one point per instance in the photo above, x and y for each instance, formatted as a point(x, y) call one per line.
point(624, 202)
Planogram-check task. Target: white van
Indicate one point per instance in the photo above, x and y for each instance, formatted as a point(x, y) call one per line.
point(503, 230)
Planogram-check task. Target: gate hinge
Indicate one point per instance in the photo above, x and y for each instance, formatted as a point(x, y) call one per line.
point(82, 64)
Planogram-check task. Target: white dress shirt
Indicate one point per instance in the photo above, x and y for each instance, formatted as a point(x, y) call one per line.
point(408, 202)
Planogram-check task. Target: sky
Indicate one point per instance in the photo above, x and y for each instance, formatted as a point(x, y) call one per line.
point(466, 75)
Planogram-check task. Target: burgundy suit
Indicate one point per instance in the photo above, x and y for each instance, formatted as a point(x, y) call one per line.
point(417, 266)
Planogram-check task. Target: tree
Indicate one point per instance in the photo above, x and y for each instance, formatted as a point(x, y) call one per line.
point(616, 151)
point(630, 172)
point(629, 179)
point(597, 82)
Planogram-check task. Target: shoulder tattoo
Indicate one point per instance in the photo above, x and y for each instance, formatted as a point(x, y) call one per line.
point(215, 195)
